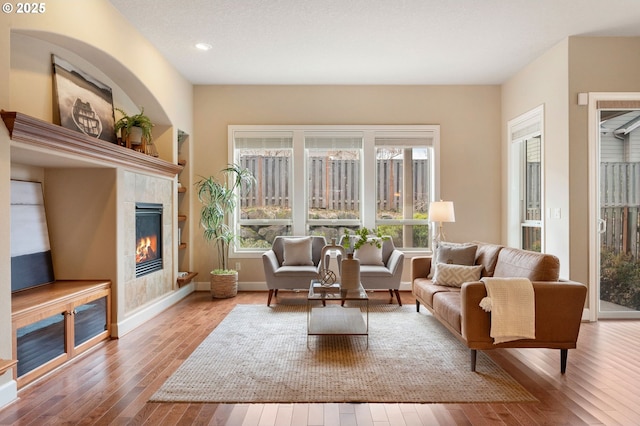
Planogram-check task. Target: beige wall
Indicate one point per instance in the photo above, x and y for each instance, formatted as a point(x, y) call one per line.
point(544, 82)
point(596, 64)
point(577, 64)
point(7, 386)
point(469, 117)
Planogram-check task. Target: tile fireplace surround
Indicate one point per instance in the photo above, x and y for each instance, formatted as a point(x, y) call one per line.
point(91, 190)
point(141, 188)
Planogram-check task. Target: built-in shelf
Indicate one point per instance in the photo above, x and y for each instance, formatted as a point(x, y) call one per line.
point(6, 364)
point(186, 279)
point(182, 189)
point(33, 134)
point(182, 162)
point(182, 218)
point(182, 246)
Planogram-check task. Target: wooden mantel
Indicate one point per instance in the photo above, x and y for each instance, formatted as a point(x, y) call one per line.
point(57, 139)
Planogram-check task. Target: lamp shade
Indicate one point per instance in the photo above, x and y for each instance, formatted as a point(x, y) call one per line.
point(441, 211)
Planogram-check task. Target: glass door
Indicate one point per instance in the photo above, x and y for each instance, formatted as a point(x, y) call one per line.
point(619, 211)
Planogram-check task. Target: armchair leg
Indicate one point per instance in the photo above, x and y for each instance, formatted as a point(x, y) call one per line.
point(474, 356)
point(269, 297)
point(417, 306)
point(563, 360)
point(397, 292)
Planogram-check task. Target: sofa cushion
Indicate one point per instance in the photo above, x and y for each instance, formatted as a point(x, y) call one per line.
point(369, 254)
point(447, 305)
point(424, 289)
point(487, 256)
point(527, 264)
point(297, 252)
point(374, 271)
point(455, 275)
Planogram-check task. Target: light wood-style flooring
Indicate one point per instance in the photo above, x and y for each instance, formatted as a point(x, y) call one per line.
point(112, 383)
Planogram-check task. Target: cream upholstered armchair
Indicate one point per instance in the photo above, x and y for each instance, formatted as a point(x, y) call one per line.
point(380, 269)
point(292, 263)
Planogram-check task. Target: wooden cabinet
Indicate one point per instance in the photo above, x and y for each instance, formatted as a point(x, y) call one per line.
point(55, 322)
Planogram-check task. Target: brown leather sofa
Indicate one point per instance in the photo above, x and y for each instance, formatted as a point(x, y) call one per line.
point(558, 303)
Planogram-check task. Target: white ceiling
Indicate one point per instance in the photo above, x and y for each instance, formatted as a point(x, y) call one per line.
point(368, 41)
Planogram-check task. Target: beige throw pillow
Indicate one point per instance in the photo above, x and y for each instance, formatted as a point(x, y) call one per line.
point(297, 252)
point(453, 253)
point(453, 275)
point(369, 254)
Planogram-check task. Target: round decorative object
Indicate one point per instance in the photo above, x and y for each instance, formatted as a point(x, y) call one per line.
point(327, 277)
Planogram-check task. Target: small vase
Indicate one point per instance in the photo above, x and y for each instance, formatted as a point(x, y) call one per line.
point(350, 278)
point(325, 256)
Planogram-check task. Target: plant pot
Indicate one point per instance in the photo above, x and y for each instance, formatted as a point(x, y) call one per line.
point(224, 286)
point(350, 278)
point(135, 135)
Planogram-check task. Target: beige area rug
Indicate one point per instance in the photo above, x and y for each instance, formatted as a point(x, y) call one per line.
point(262, 354)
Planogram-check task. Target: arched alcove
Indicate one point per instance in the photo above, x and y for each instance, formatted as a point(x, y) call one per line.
point(126, 81)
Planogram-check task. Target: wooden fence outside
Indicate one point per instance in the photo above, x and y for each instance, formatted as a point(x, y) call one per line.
point(335, 186)
point(620, 207)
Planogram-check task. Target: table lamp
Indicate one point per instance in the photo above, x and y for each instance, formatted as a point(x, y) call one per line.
point(441, 211)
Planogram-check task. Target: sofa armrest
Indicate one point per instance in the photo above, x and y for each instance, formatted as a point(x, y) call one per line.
point(395, 262)
point(558, 310)
point(270, 262)
point(420, 267)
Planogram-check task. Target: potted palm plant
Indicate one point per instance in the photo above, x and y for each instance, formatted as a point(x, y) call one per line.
point(219, 197)
point(134, 128)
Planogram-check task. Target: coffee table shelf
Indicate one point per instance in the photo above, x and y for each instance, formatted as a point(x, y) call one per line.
point(337, 319)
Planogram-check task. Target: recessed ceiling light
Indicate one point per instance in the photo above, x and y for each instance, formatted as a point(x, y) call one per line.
point(204, 46)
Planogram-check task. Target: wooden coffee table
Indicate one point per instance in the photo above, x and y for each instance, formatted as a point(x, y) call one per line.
point(333, 319)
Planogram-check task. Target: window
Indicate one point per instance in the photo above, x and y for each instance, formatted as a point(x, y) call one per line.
point(333, 168)
point(267, 209)
point(531, 192)
point(403, 187)
point(321, 180)
point(525, 181)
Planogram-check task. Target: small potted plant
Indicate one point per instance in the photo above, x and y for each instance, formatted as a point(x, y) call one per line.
point(219, 198)
point(134, 128)
point(350, 267)
point(362, 236)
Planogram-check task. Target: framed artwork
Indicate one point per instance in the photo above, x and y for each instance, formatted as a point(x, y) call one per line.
point(31, 261)
point(84, 103)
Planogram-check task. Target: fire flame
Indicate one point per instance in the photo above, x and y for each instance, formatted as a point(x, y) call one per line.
point(146, 249)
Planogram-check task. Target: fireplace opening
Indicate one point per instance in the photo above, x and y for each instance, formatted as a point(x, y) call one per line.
point(148, 238)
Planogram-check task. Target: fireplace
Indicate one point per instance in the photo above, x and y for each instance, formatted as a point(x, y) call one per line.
point(148, 238)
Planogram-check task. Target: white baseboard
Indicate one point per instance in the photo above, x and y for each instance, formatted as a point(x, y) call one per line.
point(8, 393)
point(148, 312)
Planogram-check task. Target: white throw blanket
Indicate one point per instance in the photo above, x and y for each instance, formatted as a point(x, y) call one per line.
point(511, 302)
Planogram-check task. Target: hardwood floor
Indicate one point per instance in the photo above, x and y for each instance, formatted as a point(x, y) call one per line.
point(111, 384)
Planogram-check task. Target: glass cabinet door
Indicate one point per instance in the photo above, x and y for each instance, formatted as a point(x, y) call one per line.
point(90, 320)
point(40, 342)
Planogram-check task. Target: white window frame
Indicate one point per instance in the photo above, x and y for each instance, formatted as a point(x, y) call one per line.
point(298, 184)
point(519, 130)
